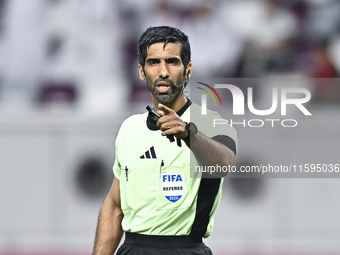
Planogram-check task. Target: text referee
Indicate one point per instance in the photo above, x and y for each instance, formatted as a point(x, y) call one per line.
point(154, 199)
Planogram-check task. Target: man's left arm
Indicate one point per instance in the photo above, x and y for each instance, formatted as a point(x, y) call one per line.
point(207, 151)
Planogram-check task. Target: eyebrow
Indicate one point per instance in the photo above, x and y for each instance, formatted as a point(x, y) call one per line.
point(173, 59)
point(166, 60)
point(152, 59)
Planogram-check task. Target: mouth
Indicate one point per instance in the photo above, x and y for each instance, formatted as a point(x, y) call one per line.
point(163, 87)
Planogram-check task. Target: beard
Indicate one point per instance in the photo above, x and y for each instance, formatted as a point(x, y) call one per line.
point(164, 98)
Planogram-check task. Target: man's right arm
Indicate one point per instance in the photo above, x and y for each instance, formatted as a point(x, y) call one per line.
point(109, 229)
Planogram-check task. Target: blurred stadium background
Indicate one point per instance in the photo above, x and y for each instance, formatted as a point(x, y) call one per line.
point(69, 77)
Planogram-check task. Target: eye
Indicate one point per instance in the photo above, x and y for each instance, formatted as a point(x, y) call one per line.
point(153, 62)
point(173, 61)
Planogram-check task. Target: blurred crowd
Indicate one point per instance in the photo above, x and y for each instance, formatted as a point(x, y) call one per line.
point(248, 38)
point(55, 48)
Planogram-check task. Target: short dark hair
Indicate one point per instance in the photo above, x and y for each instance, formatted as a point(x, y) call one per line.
point(163, 34)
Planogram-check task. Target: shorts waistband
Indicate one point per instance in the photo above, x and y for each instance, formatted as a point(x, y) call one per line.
point(167, 242)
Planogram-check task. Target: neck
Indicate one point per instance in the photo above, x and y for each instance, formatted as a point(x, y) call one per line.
point(175, 105)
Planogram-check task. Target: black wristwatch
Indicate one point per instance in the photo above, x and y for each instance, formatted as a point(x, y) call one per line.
point(191, 129)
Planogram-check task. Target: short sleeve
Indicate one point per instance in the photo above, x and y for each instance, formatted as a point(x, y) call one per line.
point(117, 169)
point(117, 166)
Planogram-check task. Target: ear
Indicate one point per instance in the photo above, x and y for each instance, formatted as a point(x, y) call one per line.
point(141, 73)
point(189, 71)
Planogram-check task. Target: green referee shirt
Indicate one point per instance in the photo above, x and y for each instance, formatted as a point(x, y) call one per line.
point(159, 196)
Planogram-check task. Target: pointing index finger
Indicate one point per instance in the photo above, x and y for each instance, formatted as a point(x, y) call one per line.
point(165, 109)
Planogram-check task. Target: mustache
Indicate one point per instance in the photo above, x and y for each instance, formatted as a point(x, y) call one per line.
point(163, 80)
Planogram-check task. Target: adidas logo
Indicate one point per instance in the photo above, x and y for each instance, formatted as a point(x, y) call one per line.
point(147, 154)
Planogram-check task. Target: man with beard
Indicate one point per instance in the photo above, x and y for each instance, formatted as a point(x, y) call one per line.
point(161, 207)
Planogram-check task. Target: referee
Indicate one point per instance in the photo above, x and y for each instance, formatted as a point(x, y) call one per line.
point(155, 198)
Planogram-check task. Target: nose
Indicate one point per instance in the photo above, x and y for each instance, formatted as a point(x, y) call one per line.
point(163, 70)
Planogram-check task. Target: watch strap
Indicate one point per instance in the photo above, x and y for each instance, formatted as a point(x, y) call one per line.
point(187, 138)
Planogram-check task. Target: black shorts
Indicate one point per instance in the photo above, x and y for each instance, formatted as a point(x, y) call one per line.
point(136, 244)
